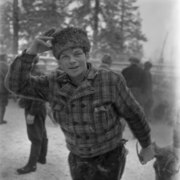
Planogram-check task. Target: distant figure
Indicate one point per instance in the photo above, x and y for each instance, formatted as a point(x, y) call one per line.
point(3, 91)
point(35, 115)
point(148, 95)
point(134, 78)
point(106, 62)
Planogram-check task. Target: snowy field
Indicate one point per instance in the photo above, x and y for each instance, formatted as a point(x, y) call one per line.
point(14, 150)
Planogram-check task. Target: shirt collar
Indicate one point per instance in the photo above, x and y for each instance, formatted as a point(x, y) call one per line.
point(90, 74)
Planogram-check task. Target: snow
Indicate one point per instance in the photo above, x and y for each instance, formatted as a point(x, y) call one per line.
point(15, 146)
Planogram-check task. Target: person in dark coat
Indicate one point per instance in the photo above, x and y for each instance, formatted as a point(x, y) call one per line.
point(133, 75)
point(148, 88)
point(35, 115)
point(3, 91)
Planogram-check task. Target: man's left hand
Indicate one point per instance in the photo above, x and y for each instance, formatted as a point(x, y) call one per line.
point(147, 154)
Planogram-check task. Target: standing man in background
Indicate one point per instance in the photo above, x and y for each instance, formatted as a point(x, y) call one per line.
point(35, 116)
point(134, 76)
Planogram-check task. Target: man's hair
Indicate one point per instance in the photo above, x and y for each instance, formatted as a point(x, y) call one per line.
point(148, 64)
point(106, 59)
point(70, 37)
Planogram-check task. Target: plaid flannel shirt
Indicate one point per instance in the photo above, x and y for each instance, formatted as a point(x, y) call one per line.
point(88, 114)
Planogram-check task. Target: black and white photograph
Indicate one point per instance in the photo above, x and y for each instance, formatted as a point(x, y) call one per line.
point(89, 90)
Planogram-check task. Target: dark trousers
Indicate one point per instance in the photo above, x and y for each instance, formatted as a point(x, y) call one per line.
point(108, 166)
point(38, 137)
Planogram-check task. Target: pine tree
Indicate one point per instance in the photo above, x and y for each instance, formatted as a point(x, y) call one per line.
point(115, 25)
point(15, 27)
point(6, 27)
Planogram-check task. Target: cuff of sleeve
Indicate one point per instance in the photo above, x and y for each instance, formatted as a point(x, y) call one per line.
point(29, 58)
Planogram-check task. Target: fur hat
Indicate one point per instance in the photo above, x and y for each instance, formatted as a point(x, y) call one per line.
point(69, 37)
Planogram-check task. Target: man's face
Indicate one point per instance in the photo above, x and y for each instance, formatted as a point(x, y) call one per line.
point(73, 62)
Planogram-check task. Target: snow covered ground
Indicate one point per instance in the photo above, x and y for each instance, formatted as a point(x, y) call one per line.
point(14, 150)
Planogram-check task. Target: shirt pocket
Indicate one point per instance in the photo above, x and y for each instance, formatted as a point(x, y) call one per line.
point(59, 113)
point(103, 116)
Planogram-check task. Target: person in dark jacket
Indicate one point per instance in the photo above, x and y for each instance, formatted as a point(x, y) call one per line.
point(134, 76)
point(35, 115)
point(148, 88)
point(4, 94)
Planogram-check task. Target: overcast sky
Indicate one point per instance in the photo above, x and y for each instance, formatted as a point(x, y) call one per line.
point(159, 21)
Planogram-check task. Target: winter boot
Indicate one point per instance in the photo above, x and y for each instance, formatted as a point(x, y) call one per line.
point(43, 153)
point(31, 165)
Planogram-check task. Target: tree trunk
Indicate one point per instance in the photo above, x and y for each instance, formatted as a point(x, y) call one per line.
point(95, 29)
point(15, 27)
point(122, 26)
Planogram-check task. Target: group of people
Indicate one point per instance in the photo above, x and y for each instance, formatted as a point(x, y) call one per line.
point(138, 78)
point(35, 116)
point(87, 102)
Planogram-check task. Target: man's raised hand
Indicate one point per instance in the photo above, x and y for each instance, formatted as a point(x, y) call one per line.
point(41, 43)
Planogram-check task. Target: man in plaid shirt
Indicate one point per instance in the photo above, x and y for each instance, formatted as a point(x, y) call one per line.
point(86, 102)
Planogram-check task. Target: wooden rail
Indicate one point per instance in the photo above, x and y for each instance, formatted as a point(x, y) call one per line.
point(167, 70)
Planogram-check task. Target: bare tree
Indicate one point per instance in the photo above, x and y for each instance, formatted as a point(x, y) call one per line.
point(95, 28)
